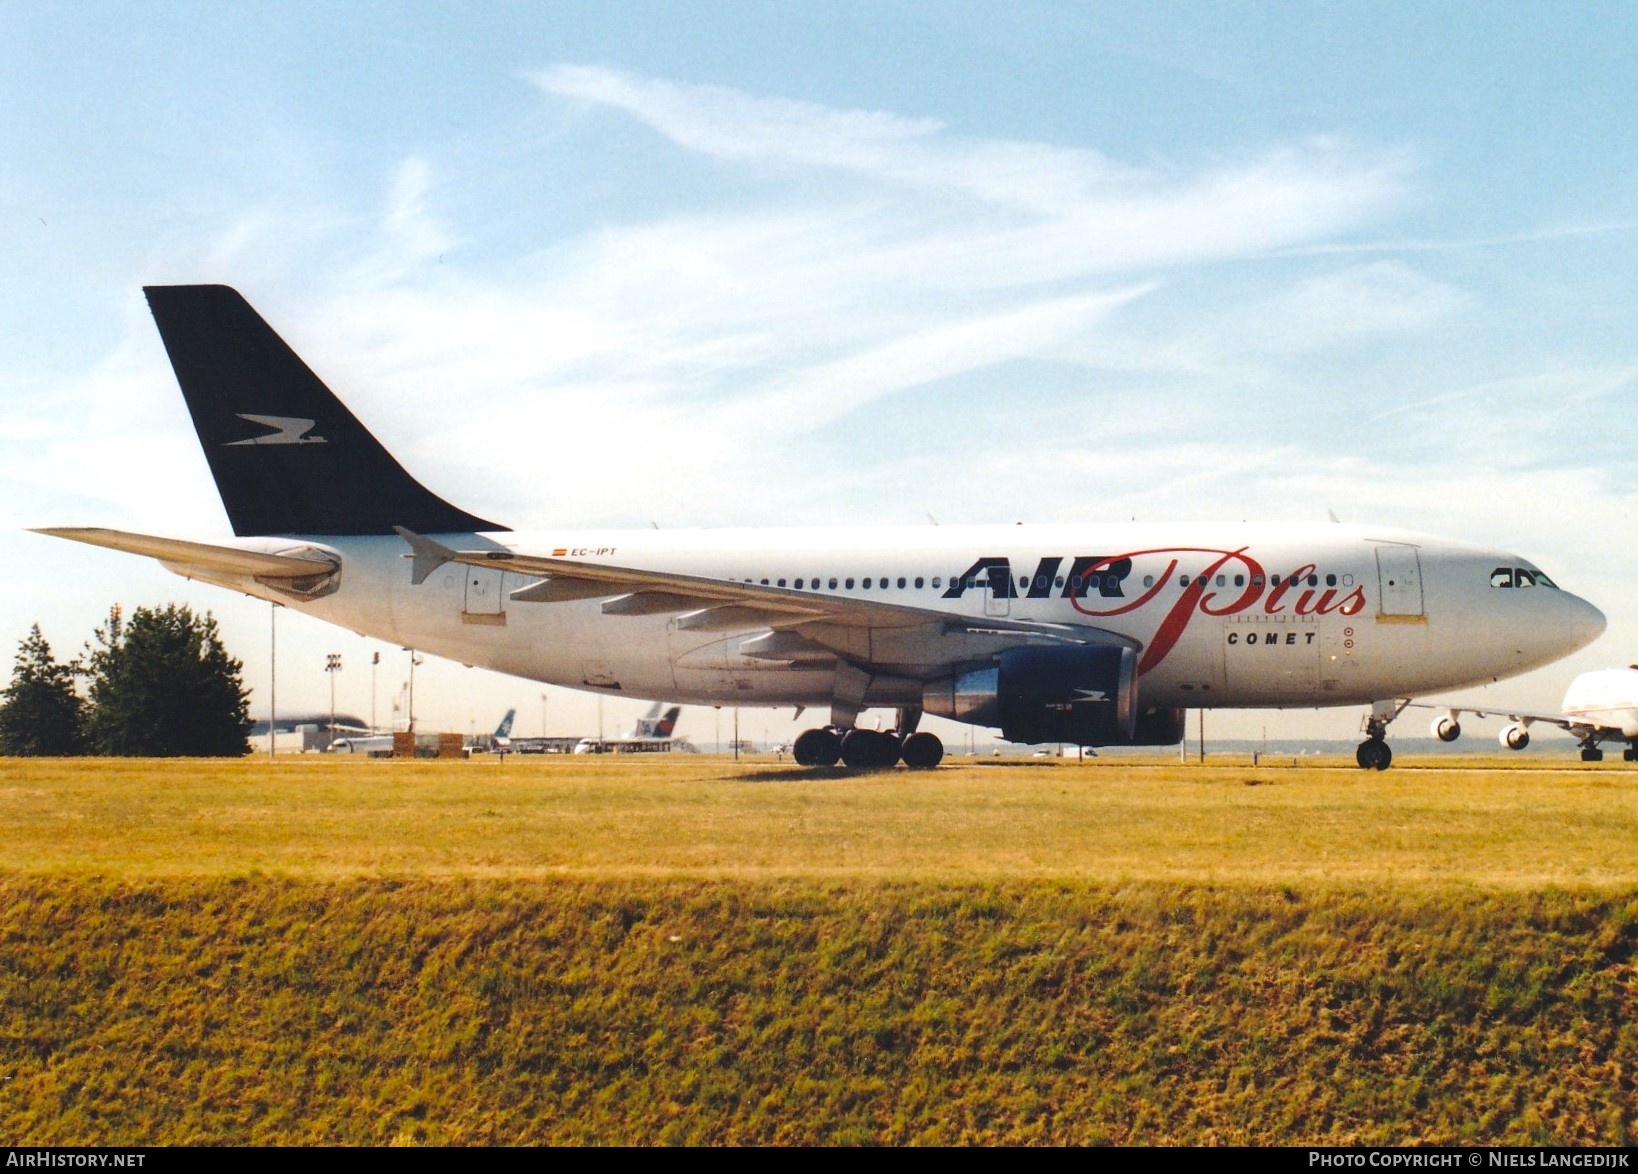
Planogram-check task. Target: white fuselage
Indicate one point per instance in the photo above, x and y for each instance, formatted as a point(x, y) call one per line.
point(1605, 697)
point(1358, 614)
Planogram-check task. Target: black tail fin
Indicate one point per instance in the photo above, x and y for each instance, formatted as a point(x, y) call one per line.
point(288, 458)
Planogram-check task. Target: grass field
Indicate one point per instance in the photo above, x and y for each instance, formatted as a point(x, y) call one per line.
point(685, 949)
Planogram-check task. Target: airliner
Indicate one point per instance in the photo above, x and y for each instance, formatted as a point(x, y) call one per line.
point(1092, 634)
point(1599, 706)
point(651, 733)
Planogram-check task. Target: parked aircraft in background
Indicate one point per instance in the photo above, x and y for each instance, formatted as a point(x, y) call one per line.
point(652, 733)
point(361, 743)
point(1083, 634)
point(1600, 706)
point(501, 739)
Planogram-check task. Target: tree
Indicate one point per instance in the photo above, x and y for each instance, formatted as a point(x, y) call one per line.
point(163, 686)
point(42, 714)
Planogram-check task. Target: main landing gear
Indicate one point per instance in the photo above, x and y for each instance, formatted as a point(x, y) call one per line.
point(1374, 753)
point(867, 749)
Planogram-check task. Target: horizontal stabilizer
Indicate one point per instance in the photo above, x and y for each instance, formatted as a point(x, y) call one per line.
point(201, 556)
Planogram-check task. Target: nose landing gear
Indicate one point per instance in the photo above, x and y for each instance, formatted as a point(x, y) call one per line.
point(1374, 753)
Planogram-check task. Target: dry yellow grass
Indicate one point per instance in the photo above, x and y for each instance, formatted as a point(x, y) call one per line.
point(689, 950)
point(711, 819)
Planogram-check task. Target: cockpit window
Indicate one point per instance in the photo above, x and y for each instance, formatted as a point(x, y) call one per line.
point(1523, 578)
point(1501, 577)
point(1543, 581)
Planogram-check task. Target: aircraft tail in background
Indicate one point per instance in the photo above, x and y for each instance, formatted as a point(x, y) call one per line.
point(503, 732)
point(655, 723)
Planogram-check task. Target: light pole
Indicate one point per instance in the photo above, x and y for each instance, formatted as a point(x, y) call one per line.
point(273, 681)
point(375, 660)
point(332, 666)
point(413, 662)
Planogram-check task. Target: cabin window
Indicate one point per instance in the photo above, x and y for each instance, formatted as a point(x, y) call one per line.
point(850, 584)
point(1313, 580)
point(1058, 582)
point(937, 582)
point(764, 582)
point(901, 582)
point(781, 582)
point(866, 584)
point(1501, 577)
point(1330, 580)
point(1182, 580)
point(918, 582)
point(1148, 580)
point(833, 584)
point(1222, 580)
point(1273, 580)
point(799, 584)
point(1239, 580)
point(1256, 580)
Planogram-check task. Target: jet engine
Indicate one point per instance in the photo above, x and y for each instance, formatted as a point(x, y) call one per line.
point(1514, 737)
point(1446, 729)
point(1082, 695)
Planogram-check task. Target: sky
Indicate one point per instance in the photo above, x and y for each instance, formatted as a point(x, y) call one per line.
point(740, 264)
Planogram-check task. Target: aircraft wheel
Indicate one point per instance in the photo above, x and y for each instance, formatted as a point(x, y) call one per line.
point(922, 751)
point(858, 749)
point(816, 748)
point(1373, 754)
point(1592, 754)
point(1630, 754)
point(868, 748)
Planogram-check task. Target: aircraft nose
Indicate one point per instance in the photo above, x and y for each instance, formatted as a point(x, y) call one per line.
point(1586, 622)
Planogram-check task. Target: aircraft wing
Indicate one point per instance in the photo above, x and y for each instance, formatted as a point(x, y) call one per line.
point(203, 557)
point(841, 624)
point(1575, 726)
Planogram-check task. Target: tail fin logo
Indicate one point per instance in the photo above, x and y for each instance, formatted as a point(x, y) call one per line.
point(286, 430)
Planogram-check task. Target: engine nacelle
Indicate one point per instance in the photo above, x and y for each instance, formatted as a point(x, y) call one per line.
point(1446, 729)
point(1514, 737)
point(1082, 695)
